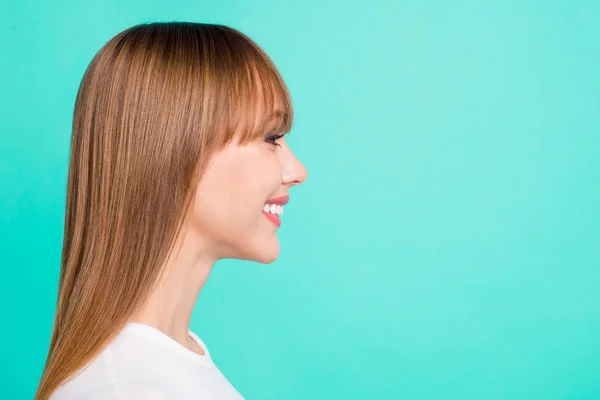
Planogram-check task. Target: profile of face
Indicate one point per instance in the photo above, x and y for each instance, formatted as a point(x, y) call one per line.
point(236, 210)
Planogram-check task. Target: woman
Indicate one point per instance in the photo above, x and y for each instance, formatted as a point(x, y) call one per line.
point(177, 160)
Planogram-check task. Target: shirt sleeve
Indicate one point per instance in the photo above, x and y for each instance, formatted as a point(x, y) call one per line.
point(126, 392)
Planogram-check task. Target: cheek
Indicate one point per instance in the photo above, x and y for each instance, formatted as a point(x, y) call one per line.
point(259, 181)
point(216, 198)
point(230, 198)
point(251, 188)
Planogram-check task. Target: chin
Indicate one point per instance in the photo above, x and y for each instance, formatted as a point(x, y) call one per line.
point(257, 249)
point(266, 255)
point(267, 258)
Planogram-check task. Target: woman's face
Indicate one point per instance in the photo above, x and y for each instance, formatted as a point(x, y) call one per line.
point(230, 213)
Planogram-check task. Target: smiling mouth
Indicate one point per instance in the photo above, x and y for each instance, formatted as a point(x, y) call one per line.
point(273, 209)
point(274, 218)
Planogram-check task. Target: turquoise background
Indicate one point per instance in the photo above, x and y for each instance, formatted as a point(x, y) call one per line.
point(446, 244)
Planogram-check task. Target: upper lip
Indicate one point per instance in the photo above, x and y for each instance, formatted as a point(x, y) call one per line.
point(281, 200)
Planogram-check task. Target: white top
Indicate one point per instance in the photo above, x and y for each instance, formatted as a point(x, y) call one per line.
point(143, 363)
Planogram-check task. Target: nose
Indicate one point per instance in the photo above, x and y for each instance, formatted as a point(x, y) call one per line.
point(294, 172)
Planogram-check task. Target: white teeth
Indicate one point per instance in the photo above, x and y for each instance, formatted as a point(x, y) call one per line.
point(273, 209)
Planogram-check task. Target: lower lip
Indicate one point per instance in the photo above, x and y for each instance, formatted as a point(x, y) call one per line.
point(273, 218)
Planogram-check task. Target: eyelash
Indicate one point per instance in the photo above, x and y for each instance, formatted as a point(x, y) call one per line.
point(273, 138)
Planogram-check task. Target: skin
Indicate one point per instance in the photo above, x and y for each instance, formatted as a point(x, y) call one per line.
point(226, 221)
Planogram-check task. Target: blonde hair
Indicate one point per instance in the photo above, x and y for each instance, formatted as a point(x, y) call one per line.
point(154, 105)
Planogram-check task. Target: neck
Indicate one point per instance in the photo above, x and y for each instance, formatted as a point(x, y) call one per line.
point(169, 307)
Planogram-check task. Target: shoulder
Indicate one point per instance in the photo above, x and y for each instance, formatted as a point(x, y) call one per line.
point(112, 375)
point(121, 391)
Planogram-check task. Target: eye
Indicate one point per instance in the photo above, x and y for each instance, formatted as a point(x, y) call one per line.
point(273, 139)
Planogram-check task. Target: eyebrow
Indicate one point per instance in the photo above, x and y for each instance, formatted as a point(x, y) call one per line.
point(277, 115)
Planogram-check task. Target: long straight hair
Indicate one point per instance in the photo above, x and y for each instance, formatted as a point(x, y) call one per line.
point(154, 105)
